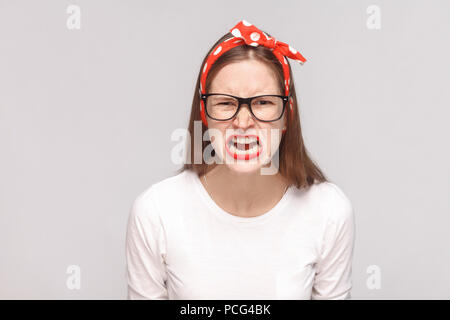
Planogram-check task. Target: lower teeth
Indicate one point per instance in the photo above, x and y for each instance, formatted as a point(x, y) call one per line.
point(234, 149)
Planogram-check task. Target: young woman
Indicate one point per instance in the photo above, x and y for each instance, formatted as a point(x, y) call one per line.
point(228, 229)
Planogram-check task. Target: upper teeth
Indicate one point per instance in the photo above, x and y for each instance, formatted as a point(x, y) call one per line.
point(244, 140)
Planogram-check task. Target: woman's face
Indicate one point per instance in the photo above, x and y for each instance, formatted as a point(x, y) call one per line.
point(245, 79)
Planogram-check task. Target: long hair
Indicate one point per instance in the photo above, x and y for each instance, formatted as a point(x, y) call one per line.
point(294, 162)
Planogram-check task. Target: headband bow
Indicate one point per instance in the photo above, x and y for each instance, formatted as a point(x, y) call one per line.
point(246, 33)
point(254, 37)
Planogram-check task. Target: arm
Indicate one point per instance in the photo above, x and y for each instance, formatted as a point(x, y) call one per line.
point(334, 270)
point(145, 251)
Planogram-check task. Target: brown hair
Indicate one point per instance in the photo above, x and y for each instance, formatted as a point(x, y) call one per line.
point(294, 162)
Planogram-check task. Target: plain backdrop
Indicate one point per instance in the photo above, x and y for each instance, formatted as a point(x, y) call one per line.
point(86, 117)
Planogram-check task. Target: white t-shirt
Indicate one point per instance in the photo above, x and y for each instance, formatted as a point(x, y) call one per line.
point(181, 245)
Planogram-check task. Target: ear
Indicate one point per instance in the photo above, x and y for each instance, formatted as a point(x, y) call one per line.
point(290, 108)
point(285, 120)
point(202, 114)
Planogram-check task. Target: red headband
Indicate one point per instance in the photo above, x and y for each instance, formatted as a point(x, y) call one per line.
point(246, 33)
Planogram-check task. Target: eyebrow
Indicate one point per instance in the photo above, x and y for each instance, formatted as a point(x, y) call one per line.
point(226, 91)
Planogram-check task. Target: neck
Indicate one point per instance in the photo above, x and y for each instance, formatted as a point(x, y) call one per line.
point(244, 194)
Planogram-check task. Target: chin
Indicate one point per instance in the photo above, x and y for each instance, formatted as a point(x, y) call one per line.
point(244, 168)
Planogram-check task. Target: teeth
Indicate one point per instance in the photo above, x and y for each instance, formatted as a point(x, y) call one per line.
point(244, 140)
point(233, 149)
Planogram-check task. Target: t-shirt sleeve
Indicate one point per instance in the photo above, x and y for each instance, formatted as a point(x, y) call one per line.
point(145, 251)
point(333, 278)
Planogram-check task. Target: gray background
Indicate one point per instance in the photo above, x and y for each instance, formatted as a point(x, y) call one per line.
point(86, 118)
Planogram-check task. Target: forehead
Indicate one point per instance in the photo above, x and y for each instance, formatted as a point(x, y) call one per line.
point(245, 78)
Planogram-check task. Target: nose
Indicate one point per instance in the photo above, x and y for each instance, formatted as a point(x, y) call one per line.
point(244, 118)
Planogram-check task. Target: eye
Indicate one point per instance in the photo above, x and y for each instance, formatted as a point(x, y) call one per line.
point(264, 102)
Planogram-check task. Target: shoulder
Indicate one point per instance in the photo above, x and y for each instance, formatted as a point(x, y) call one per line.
point(146, 205)
point(171, 186)
point(335, 204)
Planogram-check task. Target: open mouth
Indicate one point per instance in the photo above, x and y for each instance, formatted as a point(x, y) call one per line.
point(243, 147)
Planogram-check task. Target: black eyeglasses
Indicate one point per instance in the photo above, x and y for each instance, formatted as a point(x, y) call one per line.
point(224, 107)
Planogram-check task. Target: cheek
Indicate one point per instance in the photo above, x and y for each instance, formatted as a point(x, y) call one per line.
point(275, 136)
point(271, 136)
point(275, 128)
point(217, 138)
point(216, 132)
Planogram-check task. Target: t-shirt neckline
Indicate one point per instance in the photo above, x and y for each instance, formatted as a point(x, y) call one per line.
point(230, 217)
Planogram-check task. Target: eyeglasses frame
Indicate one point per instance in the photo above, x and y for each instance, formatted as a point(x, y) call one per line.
point(247, 101)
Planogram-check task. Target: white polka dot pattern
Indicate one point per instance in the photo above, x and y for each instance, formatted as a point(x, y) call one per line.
point(255, 36)
point(217, 50)
point(236, 33)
